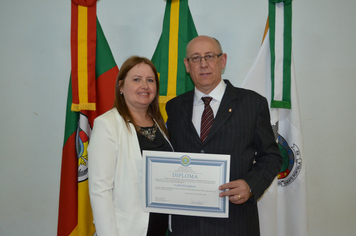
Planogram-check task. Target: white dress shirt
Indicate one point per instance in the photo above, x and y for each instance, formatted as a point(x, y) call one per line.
point(198, 105)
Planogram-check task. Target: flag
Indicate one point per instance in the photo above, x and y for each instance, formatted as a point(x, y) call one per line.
point(75, 215)
point(178, 30)
point(283, 207)
point(83, 46)
point(280, 20)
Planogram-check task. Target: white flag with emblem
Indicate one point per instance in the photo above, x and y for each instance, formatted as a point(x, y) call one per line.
point(283, 207)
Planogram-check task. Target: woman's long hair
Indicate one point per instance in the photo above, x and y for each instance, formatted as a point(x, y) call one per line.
point(120, 103)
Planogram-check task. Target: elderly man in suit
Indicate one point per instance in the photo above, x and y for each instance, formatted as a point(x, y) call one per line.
point(239, 125)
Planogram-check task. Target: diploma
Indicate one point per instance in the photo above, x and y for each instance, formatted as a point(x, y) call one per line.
point(185, 183)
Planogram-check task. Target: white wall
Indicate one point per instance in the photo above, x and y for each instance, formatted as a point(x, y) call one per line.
point(35, 68)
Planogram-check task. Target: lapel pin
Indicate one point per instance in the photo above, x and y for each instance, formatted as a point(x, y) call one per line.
point(230, 110)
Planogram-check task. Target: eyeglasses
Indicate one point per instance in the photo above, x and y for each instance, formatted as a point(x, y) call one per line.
point(208, 58)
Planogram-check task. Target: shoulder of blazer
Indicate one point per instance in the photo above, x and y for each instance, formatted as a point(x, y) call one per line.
point(232, 92)
point(112, 117)
point(115, 120)
point(177, 101)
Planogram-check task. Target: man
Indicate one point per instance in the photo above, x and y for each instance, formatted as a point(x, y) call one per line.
point(240, 127)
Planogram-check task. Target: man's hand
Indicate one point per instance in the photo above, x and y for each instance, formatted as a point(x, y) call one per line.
point(237, 190)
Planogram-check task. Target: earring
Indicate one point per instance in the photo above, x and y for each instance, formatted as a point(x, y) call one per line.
point(121, 93)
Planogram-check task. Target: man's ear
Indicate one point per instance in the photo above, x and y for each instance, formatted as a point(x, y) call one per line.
point(223, 60)
point(186, 63)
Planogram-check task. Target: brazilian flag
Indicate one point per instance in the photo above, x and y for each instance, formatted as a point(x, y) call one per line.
point(178, 30)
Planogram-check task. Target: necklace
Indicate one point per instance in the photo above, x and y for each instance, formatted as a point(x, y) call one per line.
point(148, 132)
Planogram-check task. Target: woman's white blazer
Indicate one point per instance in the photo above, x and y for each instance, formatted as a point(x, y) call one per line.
point(115, 177)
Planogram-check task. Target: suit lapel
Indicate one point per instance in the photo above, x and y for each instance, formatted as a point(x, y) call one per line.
point(186, 111)
point(227, 105)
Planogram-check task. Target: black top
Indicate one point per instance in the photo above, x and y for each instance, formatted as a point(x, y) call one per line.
point(158, 144)
point(158, 223)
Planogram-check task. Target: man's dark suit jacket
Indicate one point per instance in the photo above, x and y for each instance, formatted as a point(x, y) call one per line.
point(242, 129)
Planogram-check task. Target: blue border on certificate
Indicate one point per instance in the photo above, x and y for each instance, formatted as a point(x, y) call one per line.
point(185, 161)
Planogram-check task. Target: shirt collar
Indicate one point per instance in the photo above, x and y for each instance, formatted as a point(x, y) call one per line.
point(217, 93)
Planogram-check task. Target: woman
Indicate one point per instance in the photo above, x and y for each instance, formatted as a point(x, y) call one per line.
point(118, 138)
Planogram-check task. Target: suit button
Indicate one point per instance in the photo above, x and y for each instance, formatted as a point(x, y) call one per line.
point(202, 151)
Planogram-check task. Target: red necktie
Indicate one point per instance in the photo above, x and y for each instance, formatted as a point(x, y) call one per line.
point(206, 119)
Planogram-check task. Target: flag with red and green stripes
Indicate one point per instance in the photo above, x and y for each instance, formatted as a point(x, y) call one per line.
point(75, 214)
point(178, 30)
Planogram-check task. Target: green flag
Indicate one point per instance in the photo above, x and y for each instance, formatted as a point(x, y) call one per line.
point(178, 30)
